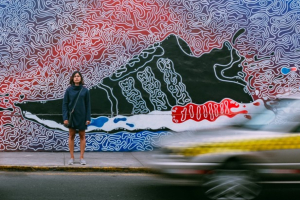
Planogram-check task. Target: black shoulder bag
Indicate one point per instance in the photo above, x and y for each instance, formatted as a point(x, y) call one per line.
point(71, 113)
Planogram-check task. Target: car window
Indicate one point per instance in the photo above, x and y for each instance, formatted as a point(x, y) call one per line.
point(284, 117)
point(296, 129)
point(259, 121)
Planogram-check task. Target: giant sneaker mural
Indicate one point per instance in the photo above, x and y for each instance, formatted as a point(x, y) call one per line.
point(152, 67)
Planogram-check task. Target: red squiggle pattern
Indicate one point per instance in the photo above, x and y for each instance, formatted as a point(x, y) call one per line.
point(209, 111)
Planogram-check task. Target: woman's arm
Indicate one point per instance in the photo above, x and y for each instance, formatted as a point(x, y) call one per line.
point(65, 108)
point(88, 107)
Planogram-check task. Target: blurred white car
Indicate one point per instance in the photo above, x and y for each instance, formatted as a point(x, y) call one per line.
point(231, 163)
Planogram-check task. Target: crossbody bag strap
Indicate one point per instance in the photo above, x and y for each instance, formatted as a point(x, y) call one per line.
point(76, 100)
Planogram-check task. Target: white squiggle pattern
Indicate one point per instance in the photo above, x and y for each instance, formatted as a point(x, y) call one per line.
point(112, 99)
point(145, 57)
point(173, 81)
point(133, 96)
point(39, 138)
point(43, 42)
point(220, 73)
point(153, 87)
point(100, 36)
point(125, 141)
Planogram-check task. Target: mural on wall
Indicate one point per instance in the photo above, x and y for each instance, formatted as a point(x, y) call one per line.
point(152, 67)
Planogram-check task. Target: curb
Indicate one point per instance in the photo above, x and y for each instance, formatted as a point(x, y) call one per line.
point(76, 169)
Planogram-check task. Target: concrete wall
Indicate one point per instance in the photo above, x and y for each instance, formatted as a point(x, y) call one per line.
point(152, 67)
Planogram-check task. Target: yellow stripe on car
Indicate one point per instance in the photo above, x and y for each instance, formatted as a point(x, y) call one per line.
point(262, 144)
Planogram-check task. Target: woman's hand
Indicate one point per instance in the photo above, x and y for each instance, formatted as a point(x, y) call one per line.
point(87, 122)
point(66, 122)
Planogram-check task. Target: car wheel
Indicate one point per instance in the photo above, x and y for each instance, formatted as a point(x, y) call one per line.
point(233, 184)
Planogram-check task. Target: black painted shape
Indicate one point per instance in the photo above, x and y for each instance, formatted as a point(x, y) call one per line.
point(199, 77)
point(102, 102)
point(49, 110)
point(137, 62)
point(237, 34)
point(184, 46)
point(197, 74)
point(262, 58)
point(8, 125)
point(231, 72)
point(9, 109)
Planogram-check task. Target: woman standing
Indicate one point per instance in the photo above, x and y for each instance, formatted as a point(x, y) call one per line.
point(81, 117)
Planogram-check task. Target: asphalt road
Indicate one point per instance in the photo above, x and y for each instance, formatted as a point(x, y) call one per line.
point(111, 186)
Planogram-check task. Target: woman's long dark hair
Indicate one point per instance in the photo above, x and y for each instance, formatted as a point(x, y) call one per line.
point(72, 78)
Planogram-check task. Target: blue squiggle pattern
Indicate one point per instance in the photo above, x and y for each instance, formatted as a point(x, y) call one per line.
point(55, 140)
point(43, 42)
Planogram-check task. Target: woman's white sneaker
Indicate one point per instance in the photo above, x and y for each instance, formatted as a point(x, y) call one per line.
point(82, 161)
point(71, 161)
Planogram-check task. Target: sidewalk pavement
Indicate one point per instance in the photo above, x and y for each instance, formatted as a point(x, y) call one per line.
point(133, 162)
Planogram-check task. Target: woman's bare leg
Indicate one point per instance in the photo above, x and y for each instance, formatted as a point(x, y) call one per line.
point(71, 141)
point(82, 142)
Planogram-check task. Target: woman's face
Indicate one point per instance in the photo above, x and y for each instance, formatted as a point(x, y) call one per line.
point(77, 79)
